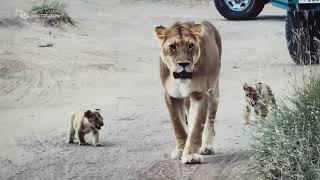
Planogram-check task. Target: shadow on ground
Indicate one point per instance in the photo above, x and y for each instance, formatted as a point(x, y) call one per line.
point(272, 17)
point(233, 165)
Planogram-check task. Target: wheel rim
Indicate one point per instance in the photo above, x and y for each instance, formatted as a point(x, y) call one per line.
point(237, 5)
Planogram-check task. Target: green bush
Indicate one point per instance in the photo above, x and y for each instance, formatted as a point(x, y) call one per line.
point(50, 13)
point(53, 7)
point(287, 143)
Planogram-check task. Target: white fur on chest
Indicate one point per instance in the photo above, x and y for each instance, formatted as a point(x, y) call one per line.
point(178, 88)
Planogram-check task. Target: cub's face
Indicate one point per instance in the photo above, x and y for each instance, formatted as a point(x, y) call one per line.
point(180, 48)
point(95, 119)
point(251, 94)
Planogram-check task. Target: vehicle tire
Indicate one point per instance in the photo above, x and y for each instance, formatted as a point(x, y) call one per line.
point(239, 9)
point(303, 37)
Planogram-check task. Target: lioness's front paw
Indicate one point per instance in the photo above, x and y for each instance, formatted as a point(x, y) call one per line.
point(191, 159)
point(98, 144)
point(207, 150)
point(176, 154)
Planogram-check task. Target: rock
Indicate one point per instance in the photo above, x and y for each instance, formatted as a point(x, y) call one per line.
point(46, 45)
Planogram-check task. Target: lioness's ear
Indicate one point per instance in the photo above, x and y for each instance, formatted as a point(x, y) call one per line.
point(197, 29)
point(160, 32)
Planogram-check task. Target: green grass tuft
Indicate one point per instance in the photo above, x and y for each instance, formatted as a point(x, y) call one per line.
point(51, 13)
point(287, 143)
point(53, 7)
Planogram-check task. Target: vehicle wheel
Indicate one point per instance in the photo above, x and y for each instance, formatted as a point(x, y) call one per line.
point(303, 37)
point(239, 9)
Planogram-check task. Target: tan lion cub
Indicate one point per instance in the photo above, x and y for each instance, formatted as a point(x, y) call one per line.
point(83, 123)
point(260, 98)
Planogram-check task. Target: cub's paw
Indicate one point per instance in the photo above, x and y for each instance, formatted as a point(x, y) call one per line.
point(207, 150)
point(191, 159)
point(71, 140)
point(176, 154)
point(98, 144)
point(83, 144)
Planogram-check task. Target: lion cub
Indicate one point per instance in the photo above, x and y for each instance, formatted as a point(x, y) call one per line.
point(260, 98)
point(82, 123)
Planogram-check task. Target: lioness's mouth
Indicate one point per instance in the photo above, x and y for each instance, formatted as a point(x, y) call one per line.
point(182, 75)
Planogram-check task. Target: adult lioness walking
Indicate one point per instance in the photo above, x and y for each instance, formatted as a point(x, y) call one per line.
point(190, 60)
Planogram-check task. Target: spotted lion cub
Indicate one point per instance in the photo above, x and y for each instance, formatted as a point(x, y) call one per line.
point(260, 98)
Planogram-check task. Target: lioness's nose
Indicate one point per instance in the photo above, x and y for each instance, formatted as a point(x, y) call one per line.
point(184, 64)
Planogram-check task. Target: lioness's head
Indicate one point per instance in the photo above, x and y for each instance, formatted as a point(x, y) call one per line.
point(180, 47)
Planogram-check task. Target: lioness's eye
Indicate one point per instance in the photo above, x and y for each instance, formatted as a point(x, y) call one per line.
point(173, 47)
point(191, 46)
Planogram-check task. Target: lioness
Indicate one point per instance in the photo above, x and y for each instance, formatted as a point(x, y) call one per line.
point(190, 60)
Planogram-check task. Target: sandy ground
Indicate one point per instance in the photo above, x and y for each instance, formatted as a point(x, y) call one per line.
point(109, 60)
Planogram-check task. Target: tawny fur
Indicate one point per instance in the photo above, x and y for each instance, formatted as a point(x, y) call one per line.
point(260, 98)
point(82, 123)
point(198, 46)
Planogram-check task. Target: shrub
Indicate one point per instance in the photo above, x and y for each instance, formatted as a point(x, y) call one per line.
point(287, 143)
point(53, 7)
point(51, 13)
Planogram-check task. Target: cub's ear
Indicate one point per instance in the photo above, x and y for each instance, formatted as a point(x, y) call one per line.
point(245, 86)
point(197, 29)
point(160, 32)
point(88, 114)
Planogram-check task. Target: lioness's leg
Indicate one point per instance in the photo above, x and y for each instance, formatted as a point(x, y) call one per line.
point(176, 110)
point(208, 132)
point(197, 119)
point(186, 109)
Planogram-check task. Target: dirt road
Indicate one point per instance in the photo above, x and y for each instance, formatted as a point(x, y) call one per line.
point(109, 60)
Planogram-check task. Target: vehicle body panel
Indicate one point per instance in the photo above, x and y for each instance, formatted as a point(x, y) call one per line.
point(297, 5)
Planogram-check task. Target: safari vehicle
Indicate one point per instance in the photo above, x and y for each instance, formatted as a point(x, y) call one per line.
point(302, 23)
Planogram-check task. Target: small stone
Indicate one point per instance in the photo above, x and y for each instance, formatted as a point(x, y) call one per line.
point(46, 45)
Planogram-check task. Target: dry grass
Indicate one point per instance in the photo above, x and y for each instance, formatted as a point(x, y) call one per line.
point(287, 144)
